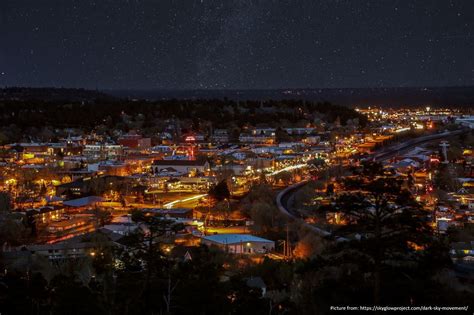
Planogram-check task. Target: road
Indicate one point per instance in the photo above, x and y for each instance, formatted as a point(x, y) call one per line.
point(391, 151)
point(283, 199)
point(187, 202)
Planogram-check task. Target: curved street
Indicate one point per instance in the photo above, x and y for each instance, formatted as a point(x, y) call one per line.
point(284, 197)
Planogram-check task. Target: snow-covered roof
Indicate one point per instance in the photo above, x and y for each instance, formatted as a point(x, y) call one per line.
point(235, 239)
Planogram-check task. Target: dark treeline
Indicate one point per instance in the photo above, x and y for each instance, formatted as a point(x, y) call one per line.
point(455, 96)
point(110, 112)
point(461, 96)
point(51, 94)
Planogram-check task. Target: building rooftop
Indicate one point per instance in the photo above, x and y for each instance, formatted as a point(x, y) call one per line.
point(82, 202)
point(235, 238)
point(200, 162)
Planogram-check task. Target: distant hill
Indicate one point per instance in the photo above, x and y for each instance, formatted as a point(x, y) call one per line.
point(149, 114)
point(52, 94)
point(403, 96)
point(389, 97)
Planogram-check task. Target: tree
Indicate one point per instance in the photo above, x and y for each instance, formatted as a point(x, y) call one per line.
point(410, 181)
point(445, 178)
point(25, 294)
point(317, 163)
point(309, 244)
point(12, 229)
point(102, 216)
point(330, 189)
point(390, 223)
point(197, 285)
point(261, 192)
point(303, 196)
point(317, 185)
point(264, 216)
point(5, 202)
point(144, 253)
point(3, 138)
point(220, 191)
point(70, 296)
point(233, 134)
point(454, 152)
point(284, 177)
point(282, 136)
point(222, 209)
point(43, 190)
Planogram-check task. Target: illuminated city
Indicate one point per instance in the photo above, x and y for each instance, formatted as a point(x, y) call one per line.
point(173, 169)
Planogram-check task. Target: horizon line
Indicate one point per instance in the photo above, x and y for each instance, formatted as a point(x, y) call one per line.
point(237, 89)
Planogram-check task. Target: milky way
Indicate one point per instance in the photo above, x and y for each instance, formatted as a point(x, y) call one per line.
point(148, 44)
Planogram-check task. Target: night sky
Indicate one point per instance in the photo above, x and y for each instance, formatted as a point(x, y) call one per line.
point(240, 44)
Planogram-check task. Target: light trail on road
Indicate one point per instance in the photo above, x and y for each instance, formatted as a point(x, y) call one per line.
point(170, 205)
point(288, 168)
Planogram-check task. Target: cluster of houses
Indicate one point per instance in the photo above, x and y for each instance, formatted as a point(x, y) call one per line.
point(61, 187)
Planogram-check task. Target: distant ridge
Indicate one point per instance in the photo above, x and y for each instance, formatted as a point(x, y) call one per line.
point(397, 96)
point(52, 94)
point(387, 97)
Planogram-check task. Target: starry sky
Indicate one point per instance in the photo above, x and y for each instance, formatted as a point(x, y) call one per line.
point(236, 44)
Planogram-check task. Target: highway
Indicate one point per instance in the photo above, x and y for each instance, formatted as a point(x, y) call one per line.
point(391, 151)
point(183, 202)
point(284, 197)
point(282, 203)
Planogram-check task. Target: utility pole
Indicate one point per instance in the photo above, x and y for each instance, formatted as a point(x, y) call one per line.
point(169, 292)
point(444, 145)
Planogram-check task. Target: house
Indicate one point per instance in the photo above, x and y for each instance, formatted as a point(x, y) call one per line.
point(367, 147)
point(134, 141)
point(70, 225)
point(74, 248)
point(167, 172)
point(75, 188)
point(77, 173)
point(64, 149)
point(91, 185)
point(114, 168)
point(239, 243)
point(121, 228)
point(191, 184)
point(193, 137)
point(103, 151)
point(300, 131)
point(256, 138)
point(88, 201)
point(312, 140)
point(181, 166)
point(466, 199)
point(184, 213)
point(31, 150)
point(264, 131)
point(220, 136)
point(45, 214)
point(162, 149)
point(406, 164)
